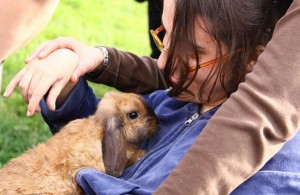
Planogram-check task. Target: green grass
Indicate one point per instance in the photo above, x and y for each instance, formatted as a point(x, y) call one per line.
point(115, 23)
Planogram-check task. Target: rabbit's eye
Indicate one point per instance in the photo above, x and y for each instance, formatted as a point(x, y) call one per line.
point(133, 115)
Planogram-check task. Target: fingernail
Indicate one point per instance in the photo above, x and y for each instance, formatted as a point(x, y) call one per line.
point(5, 94)
point(29, 113)
point(29, 58)
point(75, 77)
point(41, 54)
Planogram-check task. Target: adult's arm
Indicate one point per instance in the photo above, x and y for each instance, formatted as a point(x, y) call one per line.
point(252, 125)
point(21, 21)
point(127, 72)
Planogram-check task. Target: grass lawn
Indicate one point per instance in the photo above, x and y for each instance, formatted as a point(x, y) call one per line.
point(115, 23)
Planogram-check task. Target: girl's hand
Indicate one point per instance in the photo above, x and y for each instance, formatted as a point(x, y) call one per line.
point(40, 76)
point(90, 57)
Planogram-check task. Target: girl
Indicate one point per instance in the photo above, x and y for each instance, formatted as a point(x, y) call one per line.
point(208, 48)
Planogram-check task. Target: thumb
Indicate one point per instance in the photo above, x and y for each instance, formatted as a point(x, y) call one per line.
point(76, 74)
point(74, 78)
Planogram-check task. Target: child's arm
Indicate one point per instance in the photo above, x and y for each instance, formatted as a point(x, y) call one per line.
point(130, 73)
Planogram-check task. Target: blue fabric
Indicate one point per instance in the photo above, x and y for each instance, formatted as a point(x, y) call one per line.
point(281, 174)
point(87, 105)
point(167, 147)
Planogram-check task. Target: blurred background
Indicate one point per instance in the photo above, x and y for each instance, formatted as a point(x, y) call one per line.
point(115, 23)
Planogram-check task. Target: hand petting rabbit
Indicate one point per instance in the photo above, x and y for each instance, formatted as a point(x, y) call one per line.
point(108, 141)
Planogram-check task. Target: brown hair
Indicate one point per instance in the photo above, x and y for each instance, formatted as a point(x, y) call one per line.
point(238, 25)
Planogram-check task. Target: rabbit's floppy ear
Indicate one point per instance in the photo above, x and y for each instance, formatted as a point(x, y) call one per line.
point(114, 149)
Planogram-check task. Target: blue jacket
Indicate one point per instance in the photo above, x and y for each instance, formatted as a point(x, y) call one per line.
point(179, 127)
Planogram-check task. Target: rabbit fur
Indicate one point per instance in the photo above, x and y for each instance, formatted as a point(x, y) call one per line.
point(108, 141)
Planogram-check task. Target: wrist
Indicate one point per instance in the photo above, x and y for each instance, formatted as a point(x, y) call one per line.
point(102, 61)
point(105, 55)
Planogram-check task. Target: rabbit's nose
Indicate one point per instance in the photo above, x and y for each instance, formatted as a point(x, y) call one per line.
point(116, 173)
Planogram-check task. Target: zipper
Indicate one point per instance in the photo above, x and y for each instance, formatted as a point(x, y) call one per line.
point(192, 119)
point(186, 124)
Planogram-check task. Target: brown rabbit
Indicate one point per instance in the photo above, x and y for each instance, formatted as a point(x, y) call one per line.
point(107, 141)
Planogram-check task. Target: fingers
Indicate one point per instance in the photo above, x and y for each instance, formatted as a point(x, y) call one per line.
point(37, 95)
point(24, 80)
point(76, 74)
point(54, 91)
point(38, 109)
point(14, 83)
point(36, 80)
point(64, 42)
point(40, 76)
point(52, 46)
point(36, 52)
point(24, 85)
point(74, 78)
point(46, 48)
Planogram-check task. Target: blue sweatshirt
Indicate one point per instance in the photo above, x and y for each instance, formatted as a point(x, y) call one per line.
point(180, 124)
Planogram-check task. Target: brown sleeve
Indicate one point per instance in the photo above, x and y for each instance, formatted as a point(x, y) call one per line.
point(252, 125)
point(127, 72)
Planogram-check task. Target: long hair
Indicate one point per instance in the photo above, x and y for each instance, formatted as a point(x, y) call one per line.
point(237, 25)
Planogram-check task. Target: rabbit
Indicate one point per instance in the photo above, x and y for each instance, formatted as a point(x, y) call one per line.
point(108, 141)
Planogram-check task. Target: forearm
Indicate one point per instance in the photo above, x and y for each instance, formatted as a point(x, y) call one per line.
point(21, 21)
point(267, 107)
point(128, 72)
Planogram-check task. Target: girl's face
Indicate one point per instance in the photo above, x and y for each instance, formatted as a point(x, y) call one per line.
point(208, 52)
